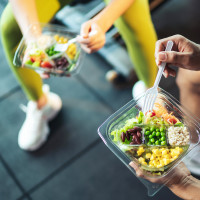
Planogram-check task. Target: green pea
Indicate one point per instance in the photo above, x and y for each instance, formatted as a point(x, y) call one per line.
point(157, 130)
point(162, 134)
point(163, 138)
point(154, 134)
point(162, 129)
point(149, 143)
point(157, 134)
point(150, 136)
point(152, 140)
point(152, 129)
point(157, 142)
point(147, 132)
point(160, 140)
point(163, 143)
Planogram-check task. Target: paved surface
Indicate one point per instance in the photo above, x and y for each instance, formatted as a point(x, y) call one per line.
point(75, 164)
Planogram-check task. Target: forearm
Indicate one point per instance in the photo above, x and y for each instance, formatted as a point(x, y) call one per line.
point(25, 13)
point(189, 188)
point(115, 9)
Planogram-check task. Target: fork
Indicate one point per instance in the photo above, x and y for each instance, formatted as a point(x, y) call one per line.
point(152, 93)
point(64, 47)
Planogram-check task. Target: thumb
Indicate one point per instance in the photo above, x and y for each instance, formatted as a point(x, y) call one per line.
point(173, 57)
point(85, 29)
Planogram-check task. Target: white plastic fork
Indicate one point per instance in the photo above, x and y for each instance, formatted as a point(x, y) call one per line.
point(152, 93)
point(64, 47)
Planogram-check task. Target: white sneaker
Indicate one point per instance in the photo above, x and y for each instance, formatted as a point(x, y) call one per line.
point(35, 130)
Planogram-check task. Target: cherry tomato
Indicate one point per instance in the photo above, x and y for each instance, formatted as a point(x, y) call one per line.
point(46, 64)
point(153, 114)
point(172, 121)
point(32, 59)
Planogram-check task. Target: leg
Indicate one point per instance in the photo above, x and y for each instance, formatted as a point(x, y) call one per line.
point(133, 27)
point(42, 106)
point(139, 20)
point(29, 80)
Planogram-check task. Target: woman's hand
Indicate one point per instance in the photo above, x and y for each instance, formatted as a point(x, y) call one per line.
point(179, 181)
point(175, 177)
point(92, 37)
point(185, 54)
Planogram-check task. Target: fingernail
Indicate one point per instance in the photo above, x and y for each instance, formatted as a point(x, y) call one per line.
point(162, 56)
point(165, 74)
point(157, 62)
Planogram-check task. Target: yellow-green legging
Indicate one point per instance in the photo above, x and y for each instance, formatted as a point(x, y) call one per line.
point(135, 26)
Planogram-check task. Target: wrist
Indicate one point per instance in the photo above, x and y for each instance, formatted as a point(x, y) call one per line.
point(179, 182)
point(99, 23)
point(186, 188)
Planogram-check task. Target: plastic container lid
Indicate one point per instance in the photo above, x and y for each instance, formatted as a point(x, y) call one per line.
point(119, 119)
point(40, 56)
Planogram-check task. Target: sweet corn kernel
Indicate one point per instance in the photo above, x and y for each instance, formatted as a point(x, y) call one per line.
point(140, 151)
point(148, 155)
point(65, 40)
point(152, 157)
point(56, 37)
point(175, 157)
point(141, 159)
point(144, 163)
point(168, 156)
point(165, 152)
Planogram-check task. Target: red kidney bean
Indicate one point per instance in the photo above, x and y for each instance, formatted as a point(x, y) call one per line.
point(139, 134)
point(134, 138)
point(135, 129)
point(131, 130)
point(134, 134)
point(123, 136)
point(138, 141)
point(127, 136)
point(132, 143)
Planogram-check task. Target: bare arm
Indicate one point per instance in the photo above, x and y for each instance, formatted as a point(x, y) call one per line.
point(93, 31)
point(188, 188)
point(179, 181)
point(25, 13)
point(110, 13)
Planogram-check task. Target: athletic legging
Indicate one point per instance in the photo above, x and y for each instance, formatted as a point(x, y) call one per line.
point(135, 26)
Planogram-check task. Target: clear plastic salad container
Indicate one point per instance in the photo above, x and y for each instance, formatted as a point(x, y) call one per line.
point(155, 141)
point(39, 54)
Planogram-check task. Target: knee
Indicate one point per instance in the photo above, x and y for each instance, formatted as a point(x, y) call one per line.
point(10, 32)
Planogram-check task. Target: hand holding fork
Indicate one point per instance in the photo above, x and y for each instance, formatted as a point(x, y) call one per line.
point(152, 93)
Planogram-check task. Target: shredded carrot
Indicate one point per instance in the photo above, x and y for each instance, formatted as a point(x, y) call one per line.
point(159, 109)
point(170, 118)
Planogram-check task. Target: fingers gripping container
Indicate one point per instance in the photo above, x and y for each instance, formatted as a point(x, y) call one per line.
point(39, 54)
point(127, 152)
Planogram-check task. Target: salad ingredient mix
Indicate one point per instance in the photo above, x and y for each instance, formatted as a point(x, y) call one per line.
point(155, 139)
point(41, 54)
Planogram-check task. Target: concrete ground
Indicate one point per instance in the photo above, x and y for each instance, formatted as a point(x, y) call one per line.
point(75, 164)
